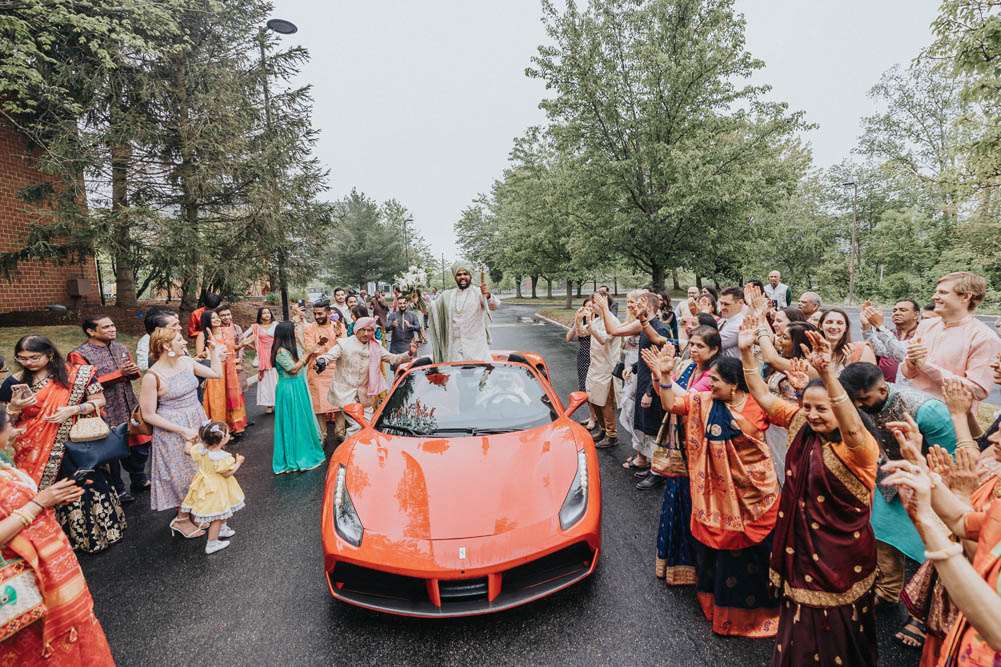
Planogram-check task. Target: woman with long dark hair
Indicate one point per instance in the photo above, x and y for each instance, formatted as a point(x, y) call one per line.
point(675, 553)
point(583, 357)
point(734, 494)
point(45, 398)
point(823, 559)
point(261, 338)
point(297, 435)
point(836, 327)
point(223, 401)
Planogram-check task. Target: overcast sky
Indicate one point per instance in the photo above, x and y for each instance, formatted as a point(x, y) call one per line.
point(420, 101)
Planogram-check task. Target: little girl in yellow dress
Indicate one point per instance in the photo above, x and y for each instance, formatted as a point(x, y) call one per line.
point(214, 494)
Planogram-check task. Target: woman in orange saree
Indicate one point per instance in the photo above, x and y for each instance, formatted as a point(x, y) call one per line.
point(222, 401)
point(44, 397)
point(66, 633)
point(734, 494)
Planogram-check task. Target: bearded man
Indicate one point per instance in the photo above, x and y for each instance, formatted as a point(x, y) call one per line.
point(321, 332)
point(459, 317)
point(896, 536)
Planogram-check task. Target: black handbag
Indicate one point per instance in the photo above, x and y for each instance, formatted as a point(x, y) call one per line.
point(98, 452)
point(617, 371)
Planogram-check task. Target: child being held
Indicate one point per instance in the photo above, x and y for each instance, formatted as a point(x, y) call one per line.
point(214, 494)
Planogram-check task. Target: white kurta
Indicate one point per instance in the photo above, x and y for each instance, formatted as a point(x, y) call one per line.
point(605, 352)
point(468, 323)
point(349, 383)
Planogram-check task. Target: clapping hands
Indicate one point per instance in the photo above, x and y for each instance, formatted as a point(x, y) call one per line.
point(748, 330)
point(820, 356)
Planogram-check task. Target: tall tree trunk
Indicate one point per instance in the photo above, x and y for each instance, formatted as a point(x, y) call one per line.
point(569, 293)
point(189, 204)
point(580, 283)
point(658, 278)
point(549, 288)
point(535, 286)
point(698, 282)
point(121, 157)
point(674, 279)
point(615, 285)
point(594, 284)
point(517, 287)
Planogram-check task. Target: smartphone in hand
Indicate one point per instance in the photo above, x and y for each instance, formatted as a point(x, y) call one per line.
point(80, 476)
point(21, 391)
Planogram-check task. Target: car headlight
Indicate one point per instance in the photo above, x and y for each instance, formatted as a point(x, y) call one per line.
point(346, 521)
point(575, 505)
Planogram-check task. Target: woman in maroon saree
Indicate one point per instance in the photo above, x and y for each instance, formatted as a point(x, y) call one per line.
point(823, 560)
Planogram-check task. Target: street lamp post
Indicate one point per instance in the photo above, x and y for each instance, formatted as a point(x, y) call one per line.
point(282, 27)
point(406, 236)
point(851, 260)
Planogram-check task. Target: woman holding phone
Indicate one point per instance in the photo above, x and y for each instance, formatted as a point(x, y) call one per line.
point(43, 398)
point(223, 400)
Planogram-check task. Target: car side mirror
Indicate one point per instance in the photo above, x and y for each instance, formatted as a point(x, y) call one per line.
point(357, 413)
point(576, 399)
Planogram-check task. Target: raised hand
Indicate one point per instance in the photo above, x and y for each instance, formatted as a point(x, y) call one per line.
point(705, 305)
point(414, 344)
point(908, 435)
point(755, 297)
point(651, 359)
point(916, 352)
point(940, 461)
point(964, 475)
point(874, 315)
point(957, 397)
point(821, 354)
point(798, 374)
point(599, 300)
point(748, 332)
point(915, 479)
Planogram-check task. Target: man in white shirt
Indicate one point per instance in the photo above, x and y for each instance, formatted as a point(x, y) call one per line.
point(731, 307)
point(459, 319)
point(156, 317)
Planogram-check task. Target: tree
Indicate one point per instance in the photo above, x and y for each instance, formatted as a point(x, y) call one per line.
point(365, 245)
point(653, 98)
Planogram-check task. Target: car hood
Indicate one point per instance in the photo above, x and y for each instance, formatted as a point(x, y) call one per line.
point(450, 488)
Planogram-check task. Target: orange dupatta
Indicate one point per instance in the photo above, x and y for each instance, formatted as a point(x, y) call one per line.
point(44, 546)
point(39, 450)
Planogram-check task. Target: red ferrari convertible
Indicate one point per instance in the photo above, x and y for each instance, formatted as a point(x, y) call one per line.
point(469, 491)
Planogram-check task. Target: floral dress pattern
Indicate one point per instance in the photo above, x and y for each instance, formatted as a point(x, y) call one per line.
point(172, 469)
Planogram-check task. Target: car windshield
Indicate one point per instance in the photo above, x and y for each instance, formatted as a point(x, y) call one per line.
point(471, 399)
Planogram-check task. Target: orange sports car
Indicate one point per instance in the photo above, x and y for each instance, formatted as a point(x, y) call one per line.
point(469, 491)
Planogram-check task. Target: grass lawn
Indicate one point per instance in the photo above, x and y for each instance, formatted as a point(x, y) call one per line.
point(562, 315)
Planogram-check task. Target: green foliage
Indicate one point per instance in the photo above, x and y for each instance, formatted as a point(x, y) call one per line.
point(364, 246)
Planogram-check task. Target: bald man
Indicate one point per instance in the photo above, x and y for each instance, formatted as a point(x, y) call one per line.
point(459, 317)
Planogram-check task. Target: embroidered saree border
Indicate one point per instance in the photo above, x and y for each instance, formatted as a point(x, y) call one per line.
point(822, 598)
point(77, 392)
point(844, 475)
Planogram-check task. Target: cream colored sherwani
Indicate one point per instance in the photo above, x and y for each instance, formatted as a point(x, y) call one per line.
point(605, 352)
point(459, 325)
point(349, 383)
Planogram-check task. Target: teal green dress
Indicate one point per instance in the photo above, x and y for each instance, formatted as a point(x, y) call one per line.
point(297, 438)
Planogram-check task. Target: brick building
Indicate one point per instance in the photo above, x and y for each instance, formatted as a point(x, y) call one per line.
point(38, 284)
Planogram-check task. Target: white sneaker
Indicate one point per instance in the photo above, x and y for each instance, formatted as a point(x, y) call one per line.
point(226, 531)
point(213, 546)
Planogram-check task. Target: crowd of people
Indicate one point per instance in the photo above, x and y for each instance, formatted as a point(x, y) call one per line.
point(803, 470)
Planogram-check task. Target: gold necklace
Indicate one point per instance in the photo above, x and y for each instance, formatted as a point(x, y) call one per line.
point(736, 407)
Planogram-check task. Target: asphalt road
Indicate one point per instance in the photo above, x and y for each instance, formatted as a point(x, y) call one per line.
point(264, 600)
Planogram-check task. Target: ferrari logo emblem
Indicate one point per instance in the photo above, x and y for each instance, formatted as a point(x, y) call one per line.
point(462, 553)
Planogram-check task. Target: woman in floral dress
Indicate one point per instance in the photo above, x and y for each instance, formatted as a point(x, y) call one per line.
point(169, 400)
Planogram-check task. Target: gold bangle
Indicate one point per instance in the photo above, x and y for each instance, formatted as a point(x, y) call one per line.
point(968, 443)
point(840, 399)
point(954, 549)
point(22, 516)
point(753, 370)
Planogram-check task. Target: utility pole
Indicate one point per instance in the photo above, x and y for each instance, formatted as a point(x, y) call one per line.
point(851, 260)
point(406, 237)
point(444, 284)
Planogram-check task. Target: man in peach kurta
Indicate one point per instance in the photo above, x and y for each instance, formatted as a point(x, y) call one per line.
point(322, 332)
point(954, 345)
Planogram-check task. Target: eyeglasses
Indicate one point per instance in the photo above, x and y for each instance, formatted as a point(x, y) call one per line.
point(30, 360)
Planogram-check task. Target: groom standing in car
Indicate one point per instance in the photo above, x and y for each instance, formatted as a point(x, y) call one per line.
point(459, 319)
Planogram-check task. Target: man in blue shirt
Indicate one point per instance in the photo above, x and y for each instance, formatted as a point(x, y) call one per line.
point(896, 537)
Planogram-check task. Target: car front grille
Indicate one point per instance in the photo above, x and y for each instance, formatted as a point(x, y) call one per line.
point(463, 589)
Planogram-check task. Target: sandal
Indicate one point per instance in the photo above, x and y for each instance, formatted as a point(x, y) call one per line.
point(630, 464)
point(197, 532)
point(912, 638)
